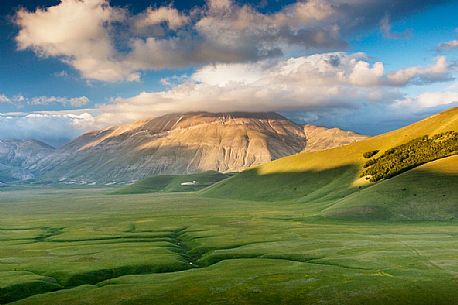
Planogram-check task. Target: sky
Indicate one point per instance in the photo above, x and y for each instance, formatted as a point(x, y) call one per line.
point(71, 66)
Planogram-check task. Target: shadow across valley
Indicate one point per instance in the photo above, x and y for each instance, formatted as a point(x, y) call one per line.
point(313, 185)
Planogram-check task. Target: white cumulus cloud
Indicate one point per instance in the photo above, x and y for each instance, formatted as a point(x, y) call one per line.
point(321, 84)
point(108, 43)
point(429, 99)
point(320, 81)
point(440, 71)
point(154, 16)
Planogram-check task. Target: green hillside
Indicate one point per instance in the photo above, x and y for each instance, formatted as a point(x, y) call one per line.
point(326, 176)
point(331, 183)
point(173, 183)
point(428, 192)
point(410, 155)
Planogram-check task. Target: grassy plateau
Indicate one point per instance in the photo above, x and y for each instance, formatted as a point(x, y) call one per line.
point(89, 247)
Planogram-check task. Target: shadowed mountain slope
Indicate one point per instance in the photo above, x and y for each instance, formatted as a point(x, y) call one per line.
point(16, 156)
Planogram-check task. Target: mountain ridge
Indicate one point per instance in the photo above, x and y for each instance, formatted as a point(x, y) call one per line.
point(182, 143)
point(16, 156)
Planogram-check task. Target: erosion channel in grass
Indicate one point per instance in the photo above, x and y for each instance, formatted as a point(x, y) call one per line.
point(70, 246)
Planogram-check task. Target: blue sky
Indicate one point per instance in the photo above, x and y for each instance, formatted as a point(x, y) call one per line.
point(398, 60)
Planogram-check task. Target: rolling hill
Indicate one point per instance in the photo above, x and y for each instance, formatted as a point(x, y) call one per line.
point(332, 175)
point(183, 144)
point(428, 192)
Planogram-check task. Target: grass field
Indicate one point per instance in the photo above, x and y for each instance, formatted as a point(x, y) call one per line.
point(173, 183)
point(86, 246)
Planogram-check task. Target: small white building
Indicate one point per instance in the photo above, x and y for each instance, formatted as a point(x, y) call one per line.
point(190, 183)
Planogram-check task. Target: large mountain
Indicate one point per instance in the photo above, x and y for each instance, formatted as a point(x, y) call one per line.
point(182, 144)
point(17, 156)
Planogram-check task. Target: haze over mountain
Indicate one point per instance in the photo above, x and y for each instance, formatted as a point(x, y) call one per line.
point(185, 143)
point(17, 156)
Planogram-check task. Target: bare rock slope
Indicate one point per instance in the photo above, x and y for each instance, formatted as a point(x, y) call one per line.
point(176, 144)
point(320, 138)
point(16, 156)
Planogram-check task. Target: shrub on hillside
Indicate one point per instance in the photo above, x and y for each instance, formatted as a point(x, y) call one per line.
point(404, 157)
point(370, 154)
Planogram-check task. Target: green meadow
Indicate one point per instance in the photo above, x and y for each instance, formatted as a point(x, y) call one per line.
point(173, 183)
point(88, 246)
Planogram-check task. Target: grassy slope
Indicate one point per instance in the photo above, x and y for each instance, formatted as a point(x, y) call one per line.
point(427, 192)
point(311, 177)
point(124, 250)
point(172, 183)
point(315, 184)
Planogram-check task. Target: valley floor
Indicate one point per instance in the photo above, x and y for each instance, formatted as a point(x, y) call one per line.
point(70, 246)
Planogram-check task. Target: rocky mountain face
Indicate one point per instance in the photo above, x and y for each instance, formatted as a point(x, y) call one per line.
point(182, 144)
point(175, 144)
point(17, 156)
point(320, 138)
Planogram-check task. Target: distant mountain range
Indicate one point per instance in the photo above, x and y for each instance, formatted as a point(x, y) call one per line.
point(18, 156)
point(176, 144)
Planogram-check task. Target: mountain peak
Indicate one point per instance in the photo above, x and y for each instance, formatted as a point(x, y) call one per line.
point(320, 138)
point(183, 143)
point(239, 115)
